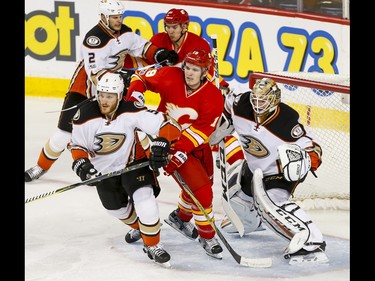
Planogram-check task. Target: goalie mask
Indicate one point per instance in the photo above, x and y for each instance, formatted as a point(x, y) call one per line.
point(110, 8)
point(265, 97)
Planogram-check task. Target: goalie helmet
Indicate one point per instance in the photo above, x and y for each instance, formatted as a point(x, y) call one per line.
point(110, 8)
point(176, 16)
point(198, 57)
point(110, 83)
point(265, 97)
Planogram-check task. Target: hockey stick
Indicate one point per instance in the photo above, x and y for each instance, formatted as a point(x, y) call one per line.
point(216, 63)
point(82, 103)
point(89, 181)
point(232, 215)
point(256, 262)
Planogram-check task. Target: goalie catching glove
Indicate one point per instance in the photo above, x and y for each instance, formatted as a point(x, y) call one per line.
point(161, 155)
point(83, 168)
point(166, 57)
point(295, 161)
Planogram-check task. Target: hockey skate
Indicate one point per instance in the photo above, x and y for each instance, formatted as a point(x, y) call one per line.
point(34, 173)
point(157, 254)
point(185, 228)
point(302, 257)
point(212, 247)
point(133, 235)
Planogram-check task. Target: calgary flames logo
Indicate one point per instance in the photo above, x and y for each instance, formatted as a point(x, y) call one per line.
point(185, 116)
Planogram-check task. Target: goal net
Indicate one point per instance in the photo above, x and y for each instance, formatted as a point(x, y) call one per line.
point(323, 103)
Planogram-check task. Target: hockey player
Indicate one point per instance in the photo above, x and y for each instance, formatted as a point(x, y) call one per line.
point(177, 37)
point(196, 104)
point(107, 46)
point(104, 140)
point(279, 153)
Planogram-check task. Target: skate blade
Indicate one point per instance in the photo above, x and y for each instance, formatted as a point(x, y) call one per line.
point(166, 264)
point(216, 256)
point(171, 224)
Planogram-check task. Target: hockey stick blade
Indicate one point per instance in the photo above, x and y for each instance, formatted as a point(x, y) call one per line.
point(89, 181)
point(264, 262)
point(259, 262)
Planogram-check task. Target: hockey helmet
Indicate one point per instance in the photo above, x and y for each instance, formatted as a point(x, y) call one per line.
point(110, 83)
point(110, 8)
point(198, 57)
point(176, 16)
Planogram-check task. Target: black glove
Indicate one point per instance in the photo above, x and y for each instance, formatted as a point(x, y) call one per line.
point(159, 153)
point(166, 57)
point(126, 75)
point(83, 168)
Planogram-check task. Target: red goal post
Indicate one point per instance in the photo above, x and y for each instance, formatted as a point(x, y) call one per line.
point(323, 102)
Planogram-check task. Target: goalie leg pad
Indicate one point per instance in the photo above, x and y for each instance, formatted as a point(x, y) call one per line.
point(246, 211)
point(241, 203)
point(280, 219)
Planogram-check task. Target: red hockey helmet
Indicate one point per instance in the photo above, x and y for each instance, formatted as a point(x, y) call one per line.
point(199, 57)
point(176, 16)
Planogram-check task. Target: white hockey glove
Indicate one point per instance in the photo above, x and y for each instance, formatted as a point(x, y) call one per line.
point(223, 128)
point(295, 161)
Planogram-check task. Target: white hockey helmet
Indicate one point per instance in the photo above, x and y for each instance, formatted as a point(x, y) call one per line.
point(110, 83)
point(110, 8)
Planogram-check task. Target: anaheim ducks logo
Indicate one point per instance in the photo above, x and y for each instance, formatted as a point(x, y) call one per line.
point(108, 143)
point(254, 147)
point(93, 41)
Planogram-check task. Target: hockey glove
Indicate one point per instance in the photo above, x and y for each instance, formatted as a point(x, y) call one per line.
point(166, 57)
point(159, 153)
point(83, 168)
point(177, 158)
point(126, 75)
point(295, 161)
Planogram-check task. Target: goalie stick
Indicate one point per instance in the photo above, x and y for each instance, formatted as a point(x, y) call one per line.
point(254, 262)
point(89, 181)
point(232, 215)
point(216, 63)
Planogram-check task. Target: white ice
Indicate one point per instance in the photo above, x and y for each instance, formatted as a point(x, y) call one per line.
point(70, 237)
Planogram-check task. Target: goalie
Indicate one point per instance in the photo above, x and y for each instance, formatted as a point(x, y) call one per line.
point(279, 153)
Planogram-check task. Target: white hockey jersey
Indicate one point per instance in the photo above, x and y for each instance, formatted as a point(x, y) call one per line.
point(112, 144)
point(260, 142)
point(102, 50)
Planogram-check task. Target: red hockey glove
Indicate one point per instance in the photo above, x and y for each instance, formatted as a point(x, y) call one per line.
point(177, 159)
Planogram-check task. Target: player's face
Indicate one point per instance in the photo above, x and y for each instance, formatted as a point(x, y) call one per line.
point(115, 22)
point(174, 31)
point(193, 74)
point(107, 102)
